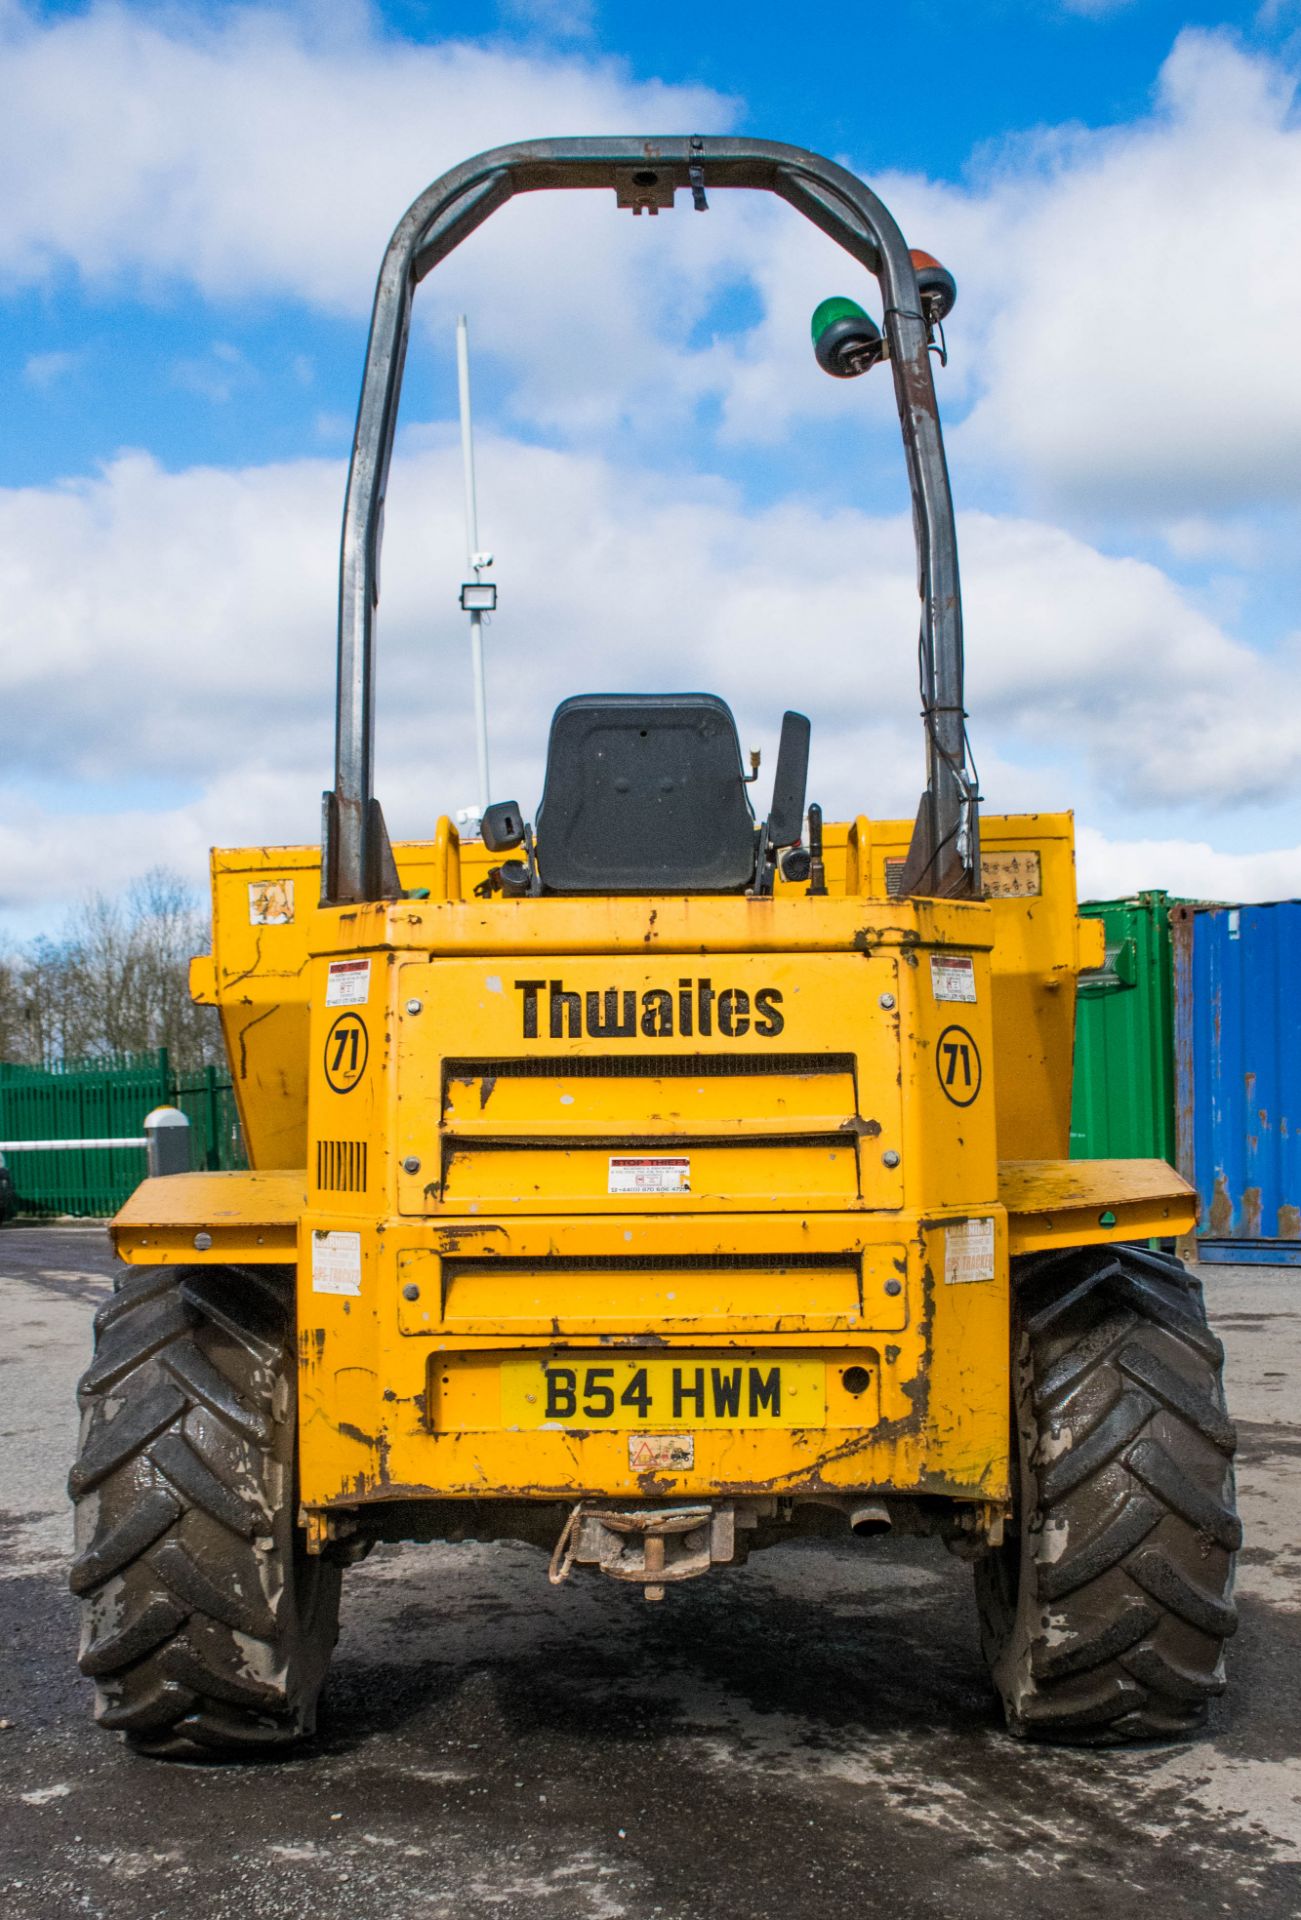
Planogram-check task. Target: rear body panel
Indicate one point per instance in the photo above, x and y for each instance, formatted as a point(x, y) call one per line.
point(679, 1198)
point(773, 1069)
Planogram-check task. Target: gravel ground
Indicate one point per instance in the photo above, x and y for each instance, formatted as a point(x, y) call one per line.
point(808, 1738)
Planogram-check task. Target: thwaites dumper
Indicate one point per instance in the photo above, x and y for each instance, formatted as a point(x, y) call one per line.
point(678, 1187)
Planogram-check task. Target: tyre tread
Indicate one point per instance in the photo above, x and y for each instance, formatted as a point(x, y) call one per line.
point(1116, 1628)
point(183, 1489)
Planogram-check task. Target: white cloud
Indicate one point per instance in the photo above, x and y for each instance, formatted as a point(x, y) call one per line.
point(51, 857)
point(1193, 869)
point(1129, 304)
point(1142, 340)
point(1095, 9)
point(252, 152)
point(178, 629)
point(256, 151)
point(559, 19)
point(216, 375)
point(47, 369)
point(1198, 537)
point(1129, 308)
point(1109, 656)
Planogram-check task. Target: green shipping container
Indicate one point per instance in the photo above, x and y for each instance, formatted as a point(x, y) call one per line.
point(1123, 1102)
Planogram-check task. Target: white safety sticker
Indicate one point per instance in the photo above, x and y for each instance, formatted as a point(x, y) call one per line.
point(270, 903)
point(336, 1263)
point(968, 1252)
point(656, 1452)
point(637, 1173)
point(348, 984)
point(953, 977)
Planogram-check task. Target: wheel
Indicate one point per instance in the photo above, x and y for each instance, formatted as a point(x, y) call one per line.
point(206, 1625)
point(1104, 1614)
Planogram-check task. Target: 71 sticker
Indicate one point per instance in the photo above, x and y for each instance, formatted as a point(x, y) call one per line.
point(347, 1047)
point(957, 1062)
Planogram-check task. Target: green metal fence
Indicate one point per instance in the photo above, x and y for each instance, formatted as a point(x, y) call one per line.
point(207, 1100)
point(1123, 1103)
point(106, 1099)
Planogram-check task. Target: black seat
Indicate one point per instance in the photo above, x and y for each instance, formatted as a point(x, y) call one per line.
point(645, 793)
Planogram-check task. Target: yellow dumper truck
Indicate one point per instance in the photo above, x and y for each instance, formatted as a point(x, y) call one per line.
point(685, 1183)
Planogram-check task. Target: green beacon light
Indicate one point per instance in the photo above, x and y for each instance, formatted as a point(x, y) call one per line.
point(846, 340)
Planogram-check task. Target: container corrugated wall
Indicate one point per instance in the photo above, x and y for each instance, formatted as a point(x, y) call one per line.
point(1238, 1076)
point(1122, 1105)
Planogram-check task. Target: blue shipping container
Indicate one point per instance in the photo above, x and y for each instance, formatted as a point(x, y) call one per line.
point(1238, 1077)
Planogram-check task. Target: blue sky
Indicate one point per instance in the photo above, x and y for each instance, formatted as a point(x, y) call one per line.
point(195, 205)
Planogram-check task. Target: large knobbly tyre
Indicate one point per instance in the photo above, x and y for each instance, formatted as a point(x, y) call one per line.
point(1104, 1615)
point(206, 1626)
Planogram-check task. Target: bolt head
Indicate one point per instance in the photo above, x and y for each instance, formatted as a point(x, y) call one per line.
point(894, 1287)
point(411, 1164)
point(411, 1291)
point(890, 1159)
point(414, 1006)
point(887, 1001)
point(202, 1241)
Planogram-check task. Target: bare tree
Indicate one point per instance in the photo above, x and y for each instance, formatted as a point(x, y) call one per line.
point(13, 1028)
point(116, 982)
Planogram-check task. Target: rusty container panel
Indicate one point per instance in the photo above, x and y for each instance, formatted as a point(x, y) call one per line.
point(1238, 1077)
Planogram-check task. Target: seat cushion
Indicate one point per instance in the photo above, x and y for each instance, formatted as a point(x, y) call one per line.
point(645, 793)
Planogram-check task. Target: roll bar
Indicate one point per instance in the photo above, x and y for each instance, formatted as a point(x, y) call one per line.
point(944, 858)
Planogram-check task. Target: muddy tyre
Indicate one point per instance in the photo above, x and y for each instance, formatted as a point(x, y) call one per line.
point(206, 1626)
point(1105, 1613)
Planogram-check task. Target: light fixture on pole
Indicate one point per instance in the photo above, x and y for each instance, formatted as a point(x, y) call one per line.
point(478, 596)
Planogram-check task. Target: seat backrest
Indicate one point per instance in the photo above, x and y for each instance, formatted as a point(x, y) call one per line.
point(645, 793)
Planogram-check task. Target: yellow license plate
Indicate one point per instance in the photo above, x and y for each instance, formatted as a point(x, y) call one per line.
point(685, 1391)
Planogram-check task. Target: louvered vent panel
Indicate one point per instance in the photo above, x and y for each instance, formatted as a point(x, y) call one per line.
point(341, 1166)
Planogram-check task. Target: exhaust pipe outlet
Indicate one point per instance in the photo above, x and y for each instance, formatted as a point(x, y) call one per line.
point(871, 1518)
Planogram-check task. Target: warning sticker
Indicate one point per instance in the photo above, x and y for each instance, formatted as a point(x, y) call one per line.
point(348, 984)
point(336, 1263)
point(654, 1452)
point(635, 1173)
point(968, 1252)
point(1003, 876)
point(270, 903)
point(953, 977)
point(1011, 876)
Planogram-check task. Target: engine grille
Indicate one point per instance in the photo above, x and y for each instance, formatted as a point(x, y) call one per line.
point(341, 1166)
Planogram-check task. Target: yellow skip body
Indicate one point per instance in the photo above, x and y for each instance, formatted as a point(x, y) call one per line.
point(629, 1147)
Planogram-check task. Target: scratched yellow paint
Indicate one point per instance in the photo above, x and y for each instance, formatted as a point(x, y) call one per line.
point(714, 1131)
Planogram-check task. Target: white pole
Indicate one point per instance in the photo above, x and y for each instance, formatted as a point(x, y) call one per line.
point(467, 438)
point(472, 555)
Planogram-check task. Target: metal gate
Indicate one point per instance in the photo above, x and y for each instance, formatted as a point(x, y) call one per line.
point(105, 1099)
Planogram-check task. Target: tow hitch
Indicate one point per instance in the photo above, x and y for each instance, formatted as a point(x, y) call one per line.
point(648, 1546)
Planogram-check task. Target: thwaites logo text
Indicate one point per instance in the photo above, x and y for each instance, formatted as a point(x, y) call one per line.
point(549, 1009)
